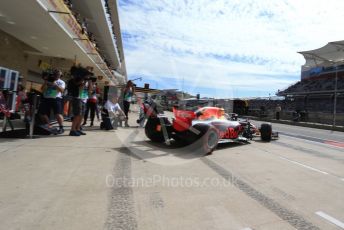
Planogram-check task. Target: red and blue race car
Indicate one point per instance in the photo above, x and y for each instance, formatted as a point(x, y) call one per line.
point(206, 126)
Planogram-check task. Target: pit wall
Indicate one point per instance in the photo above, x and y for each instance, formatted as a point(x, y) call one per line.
point(312, 117)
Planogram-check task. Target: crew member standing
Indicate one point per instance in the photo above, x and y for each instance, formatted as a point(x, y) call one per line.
point(91, 105)
point(59, 100)
point(129, 92)
point(278, 111)
point(52, 89)
point(78, 89)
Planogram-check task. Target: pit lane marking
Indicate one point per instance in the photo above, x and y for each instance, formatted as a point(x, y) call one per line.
point(305, 166)
point(295, 220)
point(330, 219)
point(316, 153)
point(335, 143)
point(332, 143)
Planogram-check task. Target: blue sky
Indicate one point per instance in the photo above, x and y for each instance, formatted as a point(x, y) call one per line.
point(224, 48)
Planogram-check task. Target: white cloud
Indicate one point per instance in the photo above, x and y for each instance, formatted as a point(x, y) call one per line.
point(236, 42)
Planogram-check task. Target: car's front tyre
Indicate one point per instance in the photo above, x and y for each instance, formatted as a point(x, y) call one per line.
point(265, 132)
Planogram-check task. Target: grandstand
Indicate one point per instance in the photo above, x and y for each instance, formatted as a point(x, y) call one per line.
point(319, 95)
point(322, 83)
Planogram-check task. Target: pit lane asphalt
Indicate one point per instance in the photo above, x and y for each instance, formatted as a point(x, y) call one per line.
point(280, 185)
point(60, 183)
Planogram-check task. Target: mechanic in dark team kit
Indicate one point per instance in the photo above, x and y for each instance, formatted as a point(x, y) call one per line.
point(78, 89)
point(91, 105)
point(129, 92)
point(278, 111)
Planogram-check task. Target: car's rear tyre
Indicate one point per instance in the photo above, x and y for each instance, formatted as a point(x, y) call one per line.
point(208, 138)
point(152, 131)
point(265, 132)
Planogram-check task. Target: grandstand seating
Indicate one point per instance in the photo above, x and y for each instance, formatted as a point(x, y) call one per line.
point(313, 103)
point(324, 82)
point(316, 95)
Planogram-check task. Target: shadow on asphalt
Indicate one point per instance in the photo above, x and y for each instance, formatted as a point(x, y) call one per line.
point(144, 150)
point(267, 142)
point(12, 136)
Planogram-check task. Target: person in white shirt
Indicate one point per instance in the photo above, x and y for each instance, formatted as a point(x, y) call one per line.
point(59, 101)
point(113, 108)
point(52, 89)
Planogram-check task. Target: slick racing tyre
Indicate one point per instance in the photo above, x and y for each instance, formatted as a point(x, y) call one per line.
point(208, 138)
point(265, 132)
point(152, 130)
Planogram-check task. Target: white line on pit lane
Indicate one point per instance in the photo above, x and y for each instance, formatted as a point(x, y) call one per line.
point(246, 229)
point(330, 219)
point(305, 166)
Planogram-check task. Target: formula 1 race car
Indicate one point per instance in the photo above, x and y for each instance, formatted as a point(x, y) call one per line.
point(207, 126)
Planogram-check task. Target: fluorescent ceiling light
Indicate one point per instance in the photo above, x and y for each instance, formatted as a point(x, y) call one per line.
point(42, 5)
